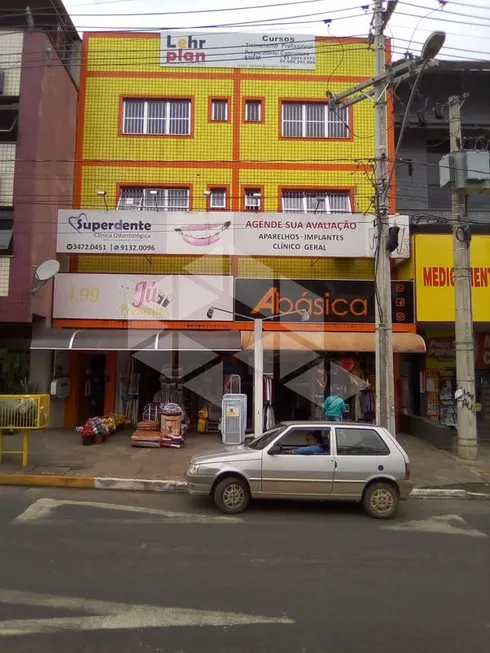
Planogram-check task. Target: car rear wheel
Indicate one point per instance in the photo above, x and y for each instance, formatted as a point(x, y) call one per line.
point(231, 495)
point(381, 500)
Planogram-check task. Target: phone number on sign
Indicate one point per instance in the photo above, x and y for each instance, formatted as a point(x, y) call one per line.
point(84, 247)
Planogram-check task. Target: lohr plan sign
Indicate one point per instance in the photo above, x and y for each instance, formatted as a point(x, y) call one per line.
point(234, 50)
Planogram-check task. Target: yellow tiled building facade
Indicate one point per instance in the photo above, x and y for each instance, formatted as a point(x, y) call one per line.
point(234, 146)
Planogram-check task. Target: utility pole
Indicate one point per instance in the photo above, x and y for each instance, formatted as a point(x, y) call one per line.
point(463, 323)
point(385, 385)
point(376, 89)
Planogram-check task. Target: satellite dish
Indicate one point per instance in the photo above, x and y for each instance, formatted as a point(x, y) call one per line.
point(46, 270)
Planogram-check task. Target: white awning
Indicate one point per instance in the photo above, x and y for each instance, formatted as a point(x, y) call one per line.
point(407, 343)
point(136, 340)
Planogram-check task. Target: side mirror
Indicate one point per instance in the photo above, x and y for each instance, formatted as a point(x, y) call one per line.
point(274, 450)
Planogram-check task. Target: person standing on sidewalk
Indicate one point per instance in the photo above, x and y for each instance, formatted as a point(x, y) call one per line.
point(334, 408)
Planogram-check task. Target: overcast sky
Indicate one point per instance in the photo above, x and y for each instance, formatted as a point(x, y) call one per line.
point(466, 22)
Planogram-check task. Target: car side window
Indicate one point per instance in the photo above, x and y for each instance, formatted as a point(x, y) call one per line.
point(302, 438)
point(360, 442)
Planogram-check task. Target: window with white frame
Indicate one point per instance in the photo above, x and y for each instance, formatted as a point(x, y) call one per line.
point(159, 117)
point(219, 110)
point(154, 199)
point(297, 201)
point(314, 120)
point(253, 199)
point(253, 110)
point(217, 199)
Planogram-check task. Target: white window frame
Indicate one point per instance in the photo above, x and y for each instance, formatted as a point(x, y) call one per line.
point(217, 199)
point(323, 204)
point(148, 200)
point(253, 200)
point(166, 118)
point(332, 119)
point(214, 103)
point(247, 105)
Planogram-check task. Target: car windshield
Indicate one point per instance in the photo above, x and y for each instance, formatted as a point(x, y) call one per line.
point(266, 438)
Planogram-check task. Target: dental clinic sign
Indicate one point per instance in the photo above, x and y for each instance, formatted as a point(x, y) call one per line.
point(232, 50)
point(225, 234)
point(144, 232)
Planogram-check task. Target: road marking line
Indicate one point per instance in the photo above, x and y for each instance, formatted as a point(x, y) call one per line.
point(44, 508)
point(442, 524)
point(116, 616)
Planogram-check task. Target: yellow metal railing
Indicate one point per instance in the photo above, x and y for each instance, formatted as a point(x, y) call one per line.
point(22, 413)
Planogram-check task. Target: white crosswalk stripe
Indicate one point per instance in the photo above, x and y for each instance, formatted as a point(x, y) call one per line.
point(442, 524)
point(43, 509)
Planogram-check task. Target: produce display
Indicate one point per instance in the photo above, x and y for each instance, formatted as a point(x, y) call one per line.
point(96, 429)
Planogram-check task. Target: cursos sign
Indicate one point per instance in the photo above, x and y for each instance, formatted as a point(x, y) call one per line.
point(231, 50)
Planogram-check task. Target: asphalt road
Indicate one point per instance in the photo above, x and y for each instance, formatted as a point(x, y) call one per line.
point(100, 571)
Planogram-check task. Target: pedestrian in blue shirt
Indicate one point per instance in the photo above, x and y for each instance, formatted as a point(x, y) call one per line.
point(334, 408)
point(314, 447)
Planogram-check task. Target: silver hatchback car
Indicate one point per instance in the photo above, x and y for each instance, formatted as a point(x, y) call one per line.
point(307, 460)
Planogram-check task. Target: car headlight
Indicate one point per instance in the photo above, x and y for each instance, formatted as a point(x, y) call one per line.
point(193, 469)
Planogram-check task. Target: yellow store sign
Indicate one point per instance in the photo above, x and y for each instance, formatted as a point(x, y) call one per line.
point(434, 278)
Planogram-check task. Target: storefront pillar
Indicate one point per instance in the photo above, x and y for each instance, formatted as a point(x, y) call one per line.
point(71, 403)
point(398, 403)
point(110, 382)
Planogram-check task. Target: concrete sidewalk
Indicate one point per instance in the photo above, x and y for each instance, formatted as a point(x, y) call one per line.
point(58, 453)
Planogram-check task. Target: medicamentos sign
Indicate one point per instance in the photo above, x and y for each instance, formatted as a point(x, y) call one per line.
point(224, 234)
point(232, 50)
point(141, 297)
point(434, 275)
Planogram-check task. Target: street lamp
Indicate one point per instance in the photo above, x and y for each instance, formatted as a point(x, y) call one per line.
point(258, 392)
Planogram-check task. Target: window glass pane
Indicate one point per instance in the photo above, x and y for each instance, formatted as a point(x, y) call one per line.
point(316, 202)
point(360, 442)
point(252, 200)
point(179, 117)
point(339, 203)
point(134, 112)
point(266, 438)
point(292, 119)
point(252, 111)
point(178, 199)
point(154, 199)
point(130, 199)
point(220, 110)
point(217, 199)
point(156, 118)
point(293, 202)
point(337, 122)
point(315, 120)
point(303, 438)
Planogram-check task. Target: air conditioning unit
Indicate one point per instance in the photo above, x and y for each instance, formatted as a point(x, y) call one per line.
point(467, 171)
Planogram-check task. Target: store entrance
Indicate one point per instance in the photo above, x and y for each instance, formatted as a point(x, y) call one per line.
point(92, 386)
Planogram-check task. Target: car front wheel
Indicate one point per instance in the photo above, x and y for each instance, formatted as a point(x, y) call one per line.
point(231, 495)
point(381, 500)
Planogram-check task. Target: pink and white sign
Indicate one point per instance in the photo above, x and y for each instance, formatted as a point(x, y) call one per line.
point(223, 233)
point(141, 297)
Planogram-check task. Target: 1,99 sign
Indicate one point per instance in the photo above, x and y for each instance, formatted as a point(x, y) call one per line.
point(84, 294)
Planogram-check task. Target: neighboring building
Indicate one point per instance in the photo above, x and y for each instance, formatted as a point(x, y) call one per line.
point(38, 102)
point(429, 207)
point(238, 147)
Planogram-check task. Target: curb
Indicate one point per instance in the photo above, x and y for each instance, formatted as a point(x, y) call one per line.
point(179, 487)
